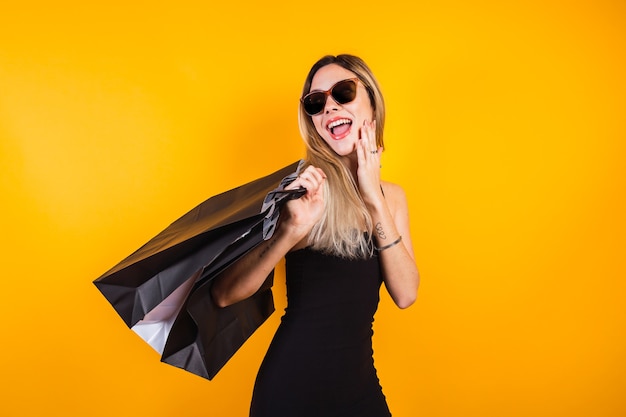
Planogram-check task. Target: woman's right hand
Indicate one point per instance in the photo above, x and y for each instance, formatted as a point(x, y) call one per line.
point(245, 277)
point(303, 213)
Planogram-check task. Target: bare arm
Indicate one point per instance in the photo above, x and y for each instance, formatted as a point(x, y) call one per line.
point(242, 279)
point(389, 213)
point(397, 260)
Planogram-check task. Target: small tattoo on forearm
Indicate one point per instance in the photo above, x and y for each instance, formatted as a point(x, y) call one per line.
point(379, 231)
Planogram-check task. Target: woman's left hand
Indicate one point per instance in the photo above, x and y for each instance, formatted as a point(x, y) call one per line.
point(368, 157)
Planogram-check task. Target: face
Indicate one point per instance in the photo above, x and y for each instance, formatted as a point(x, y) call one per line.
point(340, 124)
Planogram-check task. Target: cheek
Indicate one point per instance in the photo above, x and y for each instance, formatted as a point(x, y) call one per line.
point(361, 109)
point(317, 122)
point(367, 110)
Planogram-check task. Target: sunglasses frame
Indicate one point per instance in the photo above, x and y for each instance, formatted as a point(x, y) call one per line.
point(329, 92)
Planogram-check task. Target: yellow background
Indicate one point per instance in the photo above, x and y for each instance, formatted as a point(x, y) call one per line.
point(506, 125)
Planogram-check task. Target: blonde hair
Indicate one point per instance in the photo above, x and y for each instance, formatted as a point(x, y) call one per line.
point(341, 229)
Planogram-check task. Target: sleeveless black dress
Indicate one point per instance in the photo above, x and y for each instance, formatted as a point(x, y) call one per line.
point(320, 362)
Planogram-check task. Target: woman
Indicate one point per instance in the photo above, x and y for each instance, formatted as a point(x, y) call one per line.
point(346, 236)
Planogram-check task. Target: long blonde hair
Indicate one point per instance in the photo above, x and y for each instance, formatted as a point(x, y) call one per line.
point(340, 231)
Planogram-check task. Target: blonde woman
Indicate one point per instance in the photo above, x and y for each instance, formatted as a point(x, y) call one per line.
point(344, 238)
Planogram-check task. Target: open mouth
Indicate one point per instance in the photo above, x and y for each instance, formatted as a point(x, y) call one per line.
point(339, 127)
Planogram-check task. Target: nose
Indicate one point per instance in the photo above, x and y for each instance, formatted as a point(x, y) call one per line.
point(331, 105)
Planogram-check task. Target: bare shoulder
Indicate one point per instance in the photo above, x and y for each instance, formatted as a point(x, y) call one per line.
point(395, 196)
point(398, 206)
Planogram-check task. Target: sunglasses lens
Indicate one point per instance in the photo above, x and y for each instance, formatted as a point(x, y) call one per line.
point(314, 103)
point(344, 91)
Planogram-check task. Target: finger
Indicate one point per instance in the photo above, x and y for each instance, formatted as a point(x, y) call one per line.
point(308, 177)
point(315, 173)
point(361, 151)
point(311, 179)
point(369, 149)
point(368, 138)
point(321, 172)
point(372, 135)
point(301, 181)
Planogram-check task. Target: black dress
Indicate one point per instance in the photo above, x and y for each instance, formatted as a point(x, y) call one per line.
point(320, 361)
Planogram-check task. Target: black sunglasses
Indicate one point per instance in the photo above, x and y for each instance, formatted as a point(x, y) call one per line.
point(342, 92)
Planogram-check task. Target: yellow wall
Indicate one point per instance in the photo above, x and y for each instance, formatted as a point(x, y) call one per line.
point(506, 126)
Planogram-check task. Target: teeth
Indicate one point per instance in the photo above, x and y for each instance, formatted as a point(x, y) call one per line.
point(338, 123)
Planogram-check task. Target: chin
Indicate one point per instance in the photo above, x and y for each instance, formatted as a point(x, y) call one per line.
point(343, 151)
